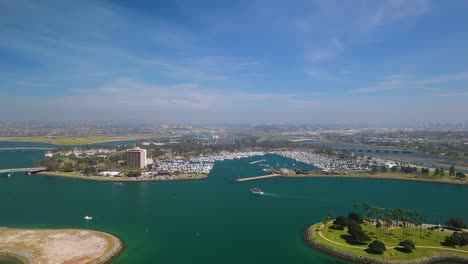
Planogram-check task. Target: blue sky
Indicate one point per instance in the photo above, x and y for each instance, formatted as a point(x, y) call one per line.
point(379, 62)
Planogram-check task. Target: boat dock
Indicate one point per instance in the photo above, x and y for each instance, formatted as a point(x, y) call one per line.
point(258, 178)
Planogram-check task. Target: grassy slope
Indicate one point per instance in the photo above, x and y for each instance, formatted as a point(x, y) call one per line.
point(390, 241)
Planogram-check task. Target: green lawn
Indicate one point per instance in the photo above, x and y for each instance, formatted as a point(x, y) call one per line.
point(431, 238)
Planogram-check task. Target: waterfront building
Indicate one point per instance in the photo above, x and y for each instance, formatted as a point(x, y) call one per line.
point(136, 158)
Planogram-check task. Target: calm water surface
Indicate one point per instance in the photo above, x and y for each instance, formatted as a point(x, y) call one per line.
point(213, 220)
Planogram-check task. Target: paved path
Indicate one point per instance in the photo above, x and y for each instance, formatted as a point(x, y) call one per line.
point(349, 246)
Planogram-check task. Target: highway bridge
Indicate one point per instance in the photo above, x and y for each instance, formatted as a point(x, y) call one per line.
point(31, 170)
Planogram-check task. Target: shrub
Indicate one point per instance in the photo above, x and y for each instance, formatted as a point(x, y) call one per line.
point(337, 227)
point(407, 245)
point(341, 221)
point(376, 247)
point(357, 234)
point(456, 239)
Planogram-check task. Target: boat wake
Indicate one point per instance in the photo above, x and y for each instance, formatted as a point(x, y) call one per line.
point(286, 196)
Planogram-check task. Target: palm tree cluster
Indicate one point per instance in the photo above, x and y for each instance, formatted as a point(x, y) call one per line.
point(386, 219)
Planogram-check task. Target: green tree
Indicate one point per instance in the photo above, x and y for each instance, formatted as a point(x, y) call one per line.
point(341, 221)
point(89, 170)
point(50, 164)
point(356, 232)
point(134, 173)
point(460, 175)
point(356, 217)
point(407, 245)
point(456, 239)
point(456, 223)
point(376, 247)
point(378, 225)
point(452, 170)
point(436, 172)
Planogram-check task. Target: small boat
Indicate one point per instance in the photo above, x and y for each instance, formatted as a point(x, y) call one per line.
point(256, 191)
point(8, 175)
point(88, 217)
point(118, 183)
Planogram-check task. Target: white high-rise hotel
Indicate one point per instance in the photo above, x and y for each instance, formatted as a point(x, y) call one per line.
point(136, 158)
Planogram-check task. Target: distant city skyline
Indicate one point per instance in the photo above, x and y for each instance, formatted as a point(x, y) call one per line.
point(234, 62)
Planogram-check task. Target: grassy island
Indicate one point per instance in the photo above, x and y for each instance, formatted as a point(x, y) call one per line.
point(392, 238)
point(59, 246)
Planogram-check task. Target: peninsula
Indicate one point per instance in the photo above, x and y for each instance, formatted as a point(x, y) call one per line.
point(59, 246)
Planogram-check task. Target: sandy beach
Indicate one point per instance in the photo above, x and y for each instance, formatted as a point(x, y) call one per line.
point(71, 246)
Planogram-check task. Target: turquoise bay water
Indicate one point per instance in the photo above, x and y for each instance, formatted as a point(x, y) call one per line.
point(213, 220)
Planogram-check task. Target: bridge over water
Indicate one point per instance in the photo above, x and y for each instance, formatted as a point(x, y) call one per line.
point(31, 170)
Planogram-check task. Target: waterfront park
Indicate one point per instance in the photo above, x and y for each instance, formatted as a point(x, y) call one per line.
point(389, 235)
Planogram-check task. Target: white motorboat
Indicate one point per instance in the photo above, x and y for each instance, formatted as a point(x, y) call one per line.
point(256, 191)
point(88, 217)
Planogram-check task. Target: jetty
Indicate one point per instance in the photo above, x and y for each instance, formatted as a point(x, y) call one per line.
point(257, 161)
point(31, 170)
point(258, 178)
point(27, 148)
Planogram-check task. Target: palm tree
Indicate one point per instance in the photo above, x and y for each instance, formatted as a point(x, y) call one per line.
point(378, 225)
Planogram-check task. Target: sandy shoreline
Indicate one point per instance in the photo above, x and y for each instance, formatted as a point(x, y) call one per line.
point(59, 246)
point(183, 177)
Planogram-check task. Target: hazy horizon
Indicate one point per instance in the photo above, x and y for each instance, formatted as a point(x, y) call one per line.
point(241, 62)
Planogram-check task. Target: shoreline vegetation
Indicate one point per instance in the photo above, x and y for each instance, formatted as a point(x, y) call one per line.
point(64, 141)
point(370, 234)
point(59, 245)
point(381, 176)
point(180, 177)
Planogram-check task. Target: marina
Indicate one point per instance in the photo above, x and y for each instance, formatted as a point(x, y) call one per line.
point(197, 211)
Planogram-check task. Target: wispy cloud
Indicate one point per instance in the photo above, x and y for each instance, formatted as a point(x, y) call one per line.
point(330, 51)
point(316, 74)
point(399, 81)
point(330, 27)
point(111, 38)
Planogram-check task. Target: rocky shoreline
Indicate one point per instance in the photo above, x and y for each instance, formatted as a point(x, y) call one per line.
point(367, 260)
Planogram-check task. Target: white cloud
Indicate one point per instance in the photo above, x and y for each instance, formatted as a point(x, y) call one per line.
point(345, 23)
